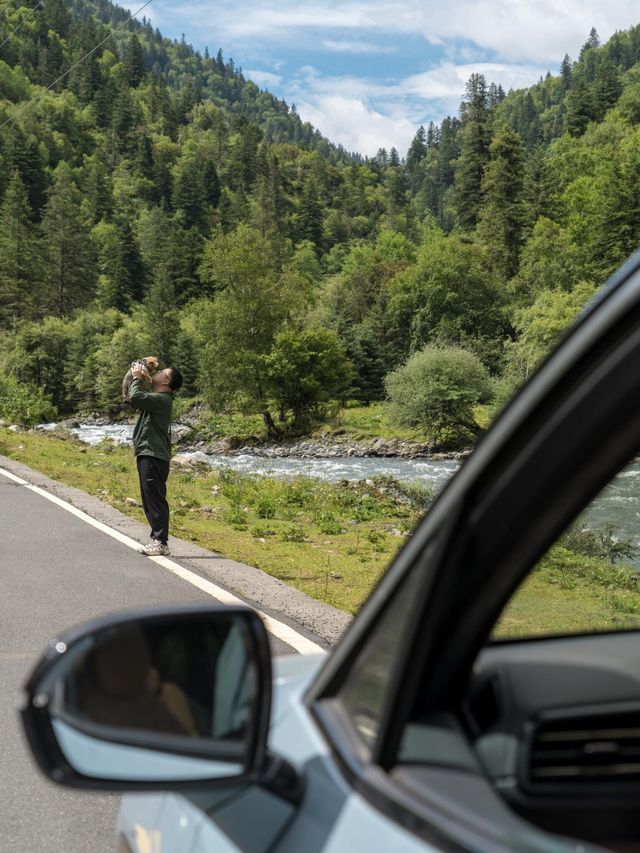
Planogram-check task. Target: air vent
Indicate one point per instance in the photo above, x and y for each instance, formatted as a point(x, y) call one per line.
point(602, 750)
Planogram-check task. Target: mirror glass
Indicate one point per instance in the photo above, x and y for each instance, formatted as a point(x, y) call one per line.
point(158, 699)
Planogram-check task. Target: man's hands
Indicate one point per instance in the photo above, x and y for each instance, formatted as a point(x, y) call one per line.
point(139, 371)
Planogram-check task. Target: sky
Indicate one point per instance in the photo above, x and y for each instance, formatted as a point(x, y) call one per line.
point(368, 73)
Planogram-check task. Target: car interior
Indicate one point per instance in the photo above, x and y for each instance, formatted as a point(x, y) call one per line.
point(551, 715)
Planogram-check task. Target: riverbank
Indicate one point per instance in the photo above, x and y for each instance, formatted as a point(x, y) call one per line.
point(329, 540)
point(325, 447)
point(190, 437)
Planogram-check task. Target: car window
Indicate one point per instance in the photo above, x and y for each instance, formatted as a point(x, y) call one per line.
point(589, 580)
point(364, 691)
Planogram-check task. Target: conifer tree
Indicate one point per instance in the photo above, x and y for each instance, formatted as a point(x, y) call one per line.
point(566, 73)
point(20, 258)
point(310, 213)
point(189, 195)
point(415, 156)
point(475, 136)
point(70, 274)
point(501, 214)
point(24, 155)
point(134, 62)
point(162, 322)
point(580, 108)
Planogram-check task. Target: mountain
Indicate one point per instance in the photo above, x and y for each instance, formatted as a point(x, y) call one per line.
point(153, 200)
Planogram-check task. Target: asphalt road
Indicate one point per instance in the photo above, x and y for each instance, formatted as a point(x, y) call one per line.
point(56, 571)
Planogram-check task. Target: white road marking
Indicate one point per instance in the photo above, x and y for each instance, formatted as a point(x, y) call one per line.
point(278, 629)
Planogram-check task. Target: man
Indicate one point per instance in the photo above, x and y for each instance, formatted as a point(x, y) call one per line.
point(152, 447)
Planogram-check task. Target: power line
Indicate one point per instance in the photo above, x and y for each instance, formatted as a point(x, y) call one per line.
point(17, 27)
point(75, 65)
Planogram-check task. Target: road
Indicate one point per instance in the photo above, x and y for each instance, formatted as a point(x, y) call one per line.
point(57, 570)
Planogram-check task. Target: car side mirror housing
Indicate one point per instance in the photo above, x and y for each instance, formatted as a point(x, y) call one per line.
point(154, 700)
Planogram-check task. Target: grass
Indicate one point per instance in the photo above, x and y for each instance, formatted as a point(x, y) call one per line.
point(572, 593)
point(331, 541)
point(351, 422)
point(368, 422)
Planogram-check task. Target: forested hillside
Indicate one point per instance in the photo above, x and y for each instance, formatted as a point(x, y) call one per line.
point(152, 200)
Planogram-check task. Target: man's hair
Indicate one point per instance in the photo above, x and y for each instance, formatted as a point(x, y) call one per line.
point(175, 379)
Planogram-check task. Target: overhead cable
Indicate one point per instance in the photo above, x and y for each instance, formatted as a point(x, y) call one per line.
point(75, 65)
point(25, 18)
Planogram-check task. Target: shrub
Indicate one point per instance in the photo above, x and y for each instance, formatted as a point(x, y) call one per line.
point(436, 389)
point(602, 542)
point(293, 533)
point(24, 404)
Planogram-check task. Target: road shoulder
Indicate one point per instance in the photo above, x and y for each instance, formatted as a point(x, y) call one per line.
point(257, 588)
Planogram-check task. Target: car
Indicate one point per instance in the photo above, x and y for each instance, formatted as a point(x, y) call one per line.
point(447, 718)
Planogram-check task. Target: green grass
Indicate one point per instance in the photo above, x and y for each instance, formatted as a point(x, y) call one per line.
point(365, 422)
point(354, 422)
point(331, 541)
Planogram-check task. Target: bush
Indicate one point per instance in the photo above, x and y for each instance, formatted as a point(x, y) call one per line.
point(24, 404)
point(436, 390)
point(603, 542)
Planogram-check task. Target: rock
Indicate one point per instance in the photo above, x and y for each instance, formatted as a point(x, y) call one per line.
point(182, 461)
point(132, 502)
point(336, 576)
point(208, 509)
point(15, 428)
point(180, 433)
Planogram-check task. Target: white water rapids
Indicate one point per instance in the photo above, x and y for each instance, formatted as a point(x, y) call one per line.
point(618, 504)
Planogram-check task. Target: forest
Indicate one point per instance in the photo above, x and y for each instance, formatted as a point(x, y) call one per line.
point(154, 201)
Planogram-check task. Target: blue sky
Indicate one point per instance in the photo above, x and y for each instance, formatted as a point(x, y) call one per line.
point(367, 74)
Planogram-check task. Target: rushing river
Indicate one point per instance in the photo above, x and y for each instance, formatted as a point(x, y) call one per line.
point(434, 471)
point(619, 504)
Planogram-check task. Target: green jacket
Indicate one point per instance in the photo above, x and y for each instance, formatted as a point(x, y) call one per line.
point(152, 432)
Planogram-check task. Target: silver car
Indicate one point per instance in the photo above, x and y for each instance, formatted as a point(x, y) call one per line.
point(442, 721)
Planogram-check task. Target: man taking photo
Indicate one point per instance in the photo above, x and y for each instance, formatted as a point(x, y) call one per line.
point(152, 447)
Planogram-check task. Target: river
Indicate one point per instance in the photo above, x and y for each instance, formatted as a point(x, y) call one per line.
point(618, 504)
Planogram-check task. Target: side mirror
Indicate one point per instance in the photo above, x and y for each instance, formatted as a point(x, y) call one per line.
point(170, 698)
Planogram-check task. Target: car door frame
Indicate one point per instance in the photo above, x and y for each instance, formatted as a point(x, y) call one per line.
point(486, 531)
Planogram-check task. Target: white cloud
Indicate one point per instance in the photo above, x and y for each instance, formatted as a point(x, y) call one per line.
point(511, 42)
point(263, 78)
point(357, 47)
point(351, 123)
point(448, 80)
point(525, 30)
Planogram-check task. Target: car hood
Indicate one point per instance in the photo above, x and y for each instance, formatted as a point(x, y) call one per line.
point(291, 676)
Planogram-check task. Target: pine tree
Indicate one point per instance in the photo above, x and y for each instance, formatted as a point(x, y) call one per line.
point(592, 42)
point(99, 193)
point(57, 17)
point(162, 322)
point(475, 136)
point(70, 275)
point(210, 183)
point(580, 108)
point(310, 213)
point(189, 195)
point(25, 156)
point(566, 73)
point(501, 214)
point(415, 156)
point(134, 62)
point(20, 258)
point(606, 88)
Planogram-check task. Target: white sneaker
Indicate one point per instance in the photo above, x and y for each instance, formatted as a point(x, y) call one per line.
point(155, 548)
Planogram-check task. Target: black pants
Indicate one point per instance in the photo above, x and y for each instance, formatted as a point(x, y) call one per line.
point(153, 473)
